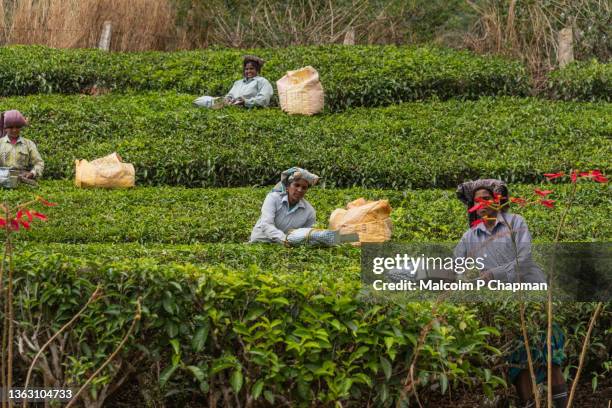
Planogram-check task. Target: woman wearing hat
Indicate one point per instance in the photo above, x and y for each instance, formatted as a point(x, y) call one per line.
point(287, 218)
point(16, 151)
point(250, 91)
point(503, 243)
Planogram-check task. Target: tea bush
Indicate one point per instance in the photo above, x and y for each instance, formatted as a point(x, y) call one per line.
point(298, 336)
point(177, 215)
point(413, 145)
point(351, 76)
point(582, 81)
point(297, 329)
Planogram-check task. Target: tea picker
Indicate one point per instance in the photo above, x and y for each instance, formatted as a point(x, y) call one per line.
point(19, 157)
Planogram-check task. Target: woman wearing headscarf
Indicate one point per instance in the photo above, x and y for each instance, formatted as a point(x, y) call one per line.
point(503, 242)
point(287, 218)
point(16, 151)
point(251, 91)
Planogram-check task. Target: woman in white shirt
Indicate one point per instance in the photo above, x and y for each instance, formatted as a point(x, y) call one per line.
point(287, 218)
point(285, 208)
point(250, 91)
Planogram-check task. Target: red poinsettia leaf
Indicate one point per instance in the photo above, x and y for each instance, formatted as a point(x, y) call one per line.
point(551, 176)
point(542, 193)
point(477, 222)
point(548, 203)
point(14, 225)
point(28, 214)
point(45, 202)
point(40, 216)
point(600, 179)
point(25, 224)
point(574, 177)
point(2, 222)
point(19, 214)
point(481, 200)
point(476, 207)
point(518, 200)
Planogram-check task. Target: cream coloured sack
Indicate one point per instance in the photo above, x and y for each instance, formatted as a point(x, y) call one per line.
point(108, 172)
point(369, 219)
point(301, 92)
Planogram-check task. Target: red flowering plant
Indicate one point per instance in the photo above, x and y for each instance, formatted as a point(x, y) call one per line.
point(575, 176)
point(12, 220)
point(498, 203)
point(541, 197)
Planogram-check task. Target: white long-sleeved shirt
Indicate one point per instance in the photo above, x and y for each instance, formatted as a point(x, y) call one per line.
point(499, 254)
point(255, 91)
point(277, 218)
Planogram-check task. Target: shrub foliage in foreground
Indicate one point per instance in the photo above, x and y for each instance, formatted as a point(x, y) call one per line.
point(351, 76)
point(297, 337)
point(293, 331)
point(412, 145)
point(180, 215)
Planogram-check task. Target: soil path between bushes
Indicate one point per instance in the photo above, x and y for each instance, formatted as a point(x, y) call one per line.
point(585, 397)
point(129, 396)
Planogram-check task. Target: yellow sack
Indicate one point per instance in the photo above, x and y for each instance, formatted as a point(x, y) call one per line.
point(369, 219)
point(300, 92)
point(108, 172)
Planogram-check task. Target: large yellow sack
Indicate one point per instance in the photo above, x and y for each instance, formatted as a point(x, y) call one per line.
point(301, 92)
point(369, 219)
point(108, 172)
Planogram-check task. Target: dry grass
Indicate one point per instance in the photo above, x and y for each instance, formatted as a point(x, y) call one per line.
point(531, 32)
point(152, 24)
point(292, 23)
point(519, 29)
point(137, 24)
point(498, 31)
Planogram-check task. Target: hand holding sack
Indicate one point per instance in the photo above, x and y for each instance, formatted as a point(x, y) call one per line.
point(300, 92)
point(107, 172)
point(318, 237)
point(369, 219)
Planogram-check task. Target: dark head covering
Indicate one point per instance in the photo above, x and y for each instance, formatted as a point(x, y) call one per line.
point(465, 193)
point(12, 118)
point(255, 60)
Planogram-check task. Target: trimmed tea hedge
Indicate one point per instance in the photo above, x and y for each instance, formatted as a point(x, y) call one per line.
point(351, 76)
point(582, 81)
point(282, 332)
point(181, 216)
point(300, 337)
point(412, 145)
point(343, 259)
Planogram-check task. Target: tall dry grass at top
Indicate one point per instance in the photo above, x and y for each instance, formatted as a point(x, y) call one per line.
point(188, 24)
point(529, 30)
point(303, 22)
point(137, 25)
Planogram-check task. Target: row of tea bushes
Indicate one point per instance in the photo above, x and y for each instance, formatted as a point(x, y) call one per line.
point(296, 336)
point(413, 145)
point(352, 76)
point(582, 81)
point(182, 216)
point(261, 323)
